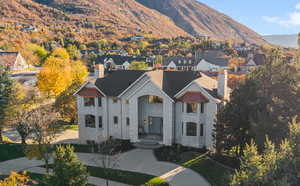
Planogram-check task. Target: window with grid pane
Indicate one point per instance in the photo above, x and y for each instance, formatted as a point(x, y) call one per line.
point(90, 121)
point(89, 102)
point(191, 129)
point(191, 107)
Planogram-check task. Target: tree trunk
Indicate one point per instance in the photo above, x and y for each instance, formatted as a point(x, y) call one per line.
point(23, 140)
point(1, 137)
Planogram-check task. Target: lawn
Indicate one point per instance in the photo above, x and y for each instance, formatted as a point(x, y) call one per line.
point(69, 127)
point(127, 177)
point(216, 174)
point(197, 160)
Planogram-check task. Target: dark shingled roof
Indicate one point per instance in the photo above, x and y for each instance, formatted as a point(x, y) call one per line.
point(170, 82)
point(260, 59)
point(117, 81)
point(223, 62)
point(118, 59)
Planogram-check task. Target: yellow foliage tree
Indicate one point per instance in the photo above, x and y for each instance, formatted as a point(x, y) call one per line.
point(61, 53)
point(15, 179)
point(79, 72)
point(55, 76)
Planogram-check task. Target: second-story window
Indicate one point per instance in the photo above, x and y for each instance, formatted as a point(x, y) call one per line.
point(100, 122)
point(202, 108)
point(115, 100)
point(127, 121)
point(90, 121)
point(89, 101)
point(191, 107)
point(99, 101)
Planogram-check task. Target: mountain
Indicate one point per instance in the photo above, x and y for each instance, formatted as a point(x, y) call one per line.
point(119, 18)
point(283, 40)
point(198, 19)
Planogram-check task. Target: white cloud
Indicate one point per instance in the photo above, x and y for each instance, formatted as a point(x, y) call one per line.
point(270, 19)
point(297, 7)
point(293, 18)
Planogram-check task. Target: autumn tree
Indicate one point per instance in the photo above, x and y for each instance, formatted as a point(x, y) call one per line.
point(55, 76)
point(15, 179)
point(6, 86)
point(44, 131)
point(61, 53)
point(73, 52)
point(67, 169)
point(138, 65)
point(39, 51)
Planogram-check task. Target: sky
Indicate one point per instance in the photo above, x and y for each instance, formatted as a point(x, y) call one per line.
point(266, 17)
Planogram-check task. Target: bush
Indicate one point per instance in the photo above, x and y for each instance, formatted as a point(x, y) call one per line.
point(157, 182)
point(11, 151)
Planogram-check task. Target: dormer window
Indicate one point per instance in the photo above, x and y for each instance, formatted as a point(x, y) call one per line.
point(89, 101)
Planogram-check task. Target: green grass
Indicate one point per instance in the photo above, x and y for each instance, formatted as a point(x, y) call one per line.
point(70, 127)
point(213, 172)
point(127, 177)
point(11, 151)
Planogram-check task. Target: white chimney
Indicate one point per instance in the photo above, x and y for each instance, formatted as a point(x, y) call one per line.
point(223, 90)
point(99, 71)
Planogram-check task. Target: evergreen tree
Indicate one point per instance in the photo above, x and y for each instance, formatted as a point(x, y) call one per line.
point(6, 86)
point(67, 170)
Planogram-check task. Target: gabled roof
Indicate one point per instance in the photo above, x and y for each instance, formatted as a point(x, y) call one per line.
point(223, 62)
point(8, 58)
point(179, 61)
point(117, 81)
point(118, 59)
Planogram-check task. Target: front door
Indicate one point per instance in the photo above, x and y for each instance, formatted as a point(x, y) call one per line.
point(155, 125)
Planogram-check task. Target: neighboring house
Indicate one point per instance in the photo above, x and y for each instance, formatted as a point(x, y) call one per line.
point(254, 61)
point(165, 107)
point(137, 37)
point(190, 63)
point(29, 28)
point(179, 63)
point(13, 60)
point(118, 62)
point(212, 64)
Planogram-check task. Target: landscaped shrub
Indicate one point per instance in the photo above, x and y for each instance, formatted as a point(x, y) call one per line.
point(11, 151)
point(157, 181)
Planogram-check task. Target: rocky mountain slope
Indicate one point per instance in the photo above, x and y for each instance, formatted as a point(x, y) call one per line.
point(116, 18)
point(198, 19)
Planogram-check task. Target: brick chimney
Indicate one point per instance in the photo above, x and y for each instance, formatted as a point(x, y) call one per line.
point(223, 90)
point(99, 71)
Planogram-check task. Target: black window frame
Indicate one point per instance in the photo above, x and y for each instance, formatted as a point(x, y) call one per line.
point(190, 109)
point(191, 131)
point(89, 101)
point(99, 101)
point(202, 108)
point(116, 120)
point(127, 121)
point(100, 122)
point(91, 124)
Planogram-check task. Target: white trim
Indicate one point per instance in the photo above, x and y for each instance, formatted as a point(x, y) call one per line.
point(119, 96)
point(144, 84)
point(202, 91)
point(85, 85)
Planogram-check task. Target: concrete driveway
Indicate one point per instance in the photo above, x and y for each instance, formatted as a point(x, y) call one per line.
point(137, 160)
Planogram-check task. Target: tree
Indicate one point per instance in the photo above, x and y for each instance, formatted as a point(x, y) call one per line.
point(271, 167)
point(6, 85)
point(262, 105)
point(79, 72)
point(44, 129)
point(55, 76)
point(138, 65)
point(61, 53)
point(108, 156)
point(67, 169)
point(15, 179)
point(159, 59)
point(73, 52)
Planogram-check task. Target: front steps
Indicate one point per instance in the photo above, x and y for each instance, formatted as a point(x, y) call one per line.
point(147, 144)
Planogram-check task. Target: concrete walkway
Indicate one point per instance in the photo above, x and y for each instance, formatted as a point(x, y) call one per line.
point(137, 160)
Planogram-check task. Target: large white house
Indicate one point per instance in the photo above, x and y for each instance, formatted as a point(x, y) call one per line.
point(168, 107)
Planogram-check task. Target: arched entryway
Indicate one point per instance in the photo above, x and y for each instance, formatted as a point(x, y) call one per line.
point(150, 118)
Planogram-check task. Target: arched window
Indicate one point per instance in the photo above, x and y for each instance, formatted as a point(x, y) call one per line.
point(90, 121)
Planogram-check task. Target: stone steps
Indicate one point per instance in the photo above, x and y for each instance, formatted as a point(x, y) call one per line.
point(147, 144)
